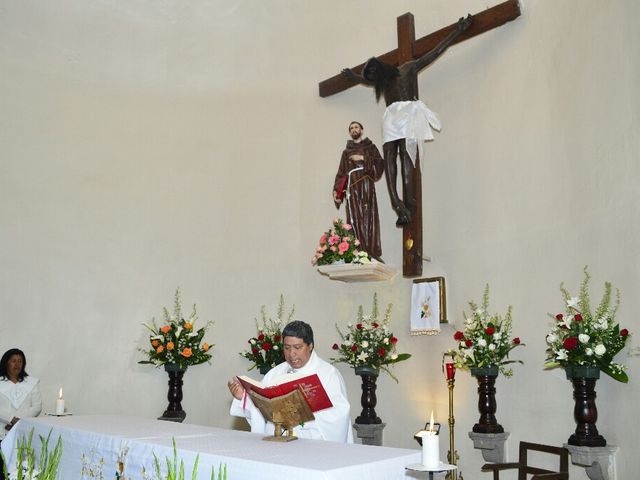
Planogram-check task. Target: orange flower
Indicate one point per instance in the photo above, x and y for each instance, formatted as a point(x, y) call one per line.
point(154, 343)
point(188, 326)
point(186, 352)
point(165, 329)
point(170, 346)
point(205, 347)
point(160, 349)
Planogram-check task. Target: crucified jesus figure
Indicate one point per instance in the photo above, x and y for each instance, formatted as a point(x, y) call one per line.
point(407, 121)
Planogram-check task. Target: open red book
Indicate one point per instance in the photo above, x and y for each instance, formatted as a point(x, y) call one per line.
point(310, 385)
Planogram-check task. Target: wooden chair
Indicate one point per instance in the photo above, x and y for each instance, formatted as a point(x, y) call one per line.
point(524, 468)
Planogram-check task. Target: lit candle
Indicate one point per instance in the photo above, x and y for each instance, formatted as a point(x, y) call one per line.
point(430, 446)
point(60, 404)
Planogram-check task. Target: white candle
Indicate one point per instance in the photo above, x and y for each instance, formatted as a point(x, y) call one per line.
point(60, 404)
point(430, 450)
point(430, 446)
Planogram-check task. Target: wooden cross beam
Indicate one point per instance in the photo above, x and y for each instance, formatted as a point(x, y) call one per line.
point(487, 20)
point(410, 49)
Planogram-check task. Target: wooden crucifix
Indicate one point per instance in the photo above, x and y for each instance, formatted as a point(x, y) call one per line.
point(394, 76)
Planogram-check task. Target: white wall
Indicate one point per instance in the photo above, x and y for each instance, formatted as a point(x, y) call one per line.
point(150, 144)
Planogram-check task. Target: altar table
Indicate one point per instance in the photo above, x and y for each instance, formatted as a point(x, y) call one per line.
point(92, 446)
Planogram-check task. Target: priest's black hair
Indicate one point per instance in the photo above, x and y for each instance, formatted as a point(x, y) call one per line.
point(5, 360)
point(299, 329)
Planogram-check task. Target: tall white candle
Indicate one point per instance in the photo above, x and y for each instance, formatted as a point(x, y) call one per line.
point(430, 446)
point(60, 404)
point(430, 450)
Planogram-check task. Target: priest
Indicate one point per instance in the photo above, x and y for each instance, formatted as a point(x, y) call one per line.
point(333, 423)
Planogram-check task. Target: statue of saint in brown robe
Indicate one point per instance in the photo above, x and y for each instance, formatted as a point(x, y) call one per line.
point(360, 167)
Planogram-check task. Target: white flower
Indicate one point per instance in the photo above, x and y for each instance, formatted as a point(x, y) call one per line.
point(157, 337)
point(394, 356)
point(588, 351)
point(561, 355)
point(497, 336)
point(366, 318)
point(252, 341)
point(364, 344)
point(192, 334)
point(482, 342)
point(385, 340)
point(178, 332)
point(275, 347)
point(573, 303)
point(363, 356)
point(583, 337)
point(492, 347)
point(552, 338)
point(600, 349)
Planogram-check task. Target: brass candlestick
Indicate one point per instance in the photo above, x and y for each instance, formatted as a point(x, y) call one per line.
point(449, 370)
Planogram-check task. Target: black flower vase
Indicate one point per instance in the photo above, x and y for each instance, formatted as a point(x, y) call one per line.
point(174, 411)
point(368, 399)
point(585, 412)
point(487, 405)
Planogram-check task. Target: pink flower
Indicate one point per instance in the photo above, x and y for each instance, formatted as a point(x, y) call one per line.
point(347, 226)
point(357, 242)
point(346, 239)
point(324, 248)
point(323, 238)
point(333, 248)
point(314, 261)
point(334, 239)
point(343, 247)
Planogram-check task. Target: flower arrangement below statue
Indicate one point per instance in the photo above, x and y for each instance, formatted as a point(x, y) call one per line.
point(177, 341)
point(265, 349)
point(579, 337)
point(485, 340)
point(339, 245)
point(369, 342)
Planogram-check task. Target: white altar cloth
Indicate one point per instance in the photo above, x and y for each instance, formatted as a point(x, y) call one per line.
point(247, 456)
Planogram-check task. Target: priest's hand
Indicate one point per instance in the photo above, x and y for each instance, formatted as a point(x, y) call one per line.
point(236, 388)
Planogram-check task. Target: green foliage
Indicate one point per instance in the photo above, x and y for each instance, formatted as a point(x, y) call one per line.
point(580, 337)
point(485, 340)
point(177, 341)
point(30, 468)
point(266, 349)
point(369, 342)
point(176, 468)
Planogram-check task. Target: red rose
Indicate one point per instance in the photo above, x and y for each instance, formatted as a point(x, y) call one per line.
point(374, 325)
point(354, 348)
point(276, 338)
point(394, 340)
point(458, 336)
point(261, 337)
point(516, 341)
point(559, 317)
point(468, 342)
point(266, 346)
point(381, 352)
point(624, 332)
point(570, 343)
point(254, 350)
point(335, 346)
point(359, 326)
point(577, 317)
point(489, 330)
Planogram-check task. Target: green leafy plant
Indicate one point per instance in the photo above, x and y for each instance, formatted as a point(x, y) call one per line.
point(266, 349)
point(580, 337)
point(486, 339)
point(177, 341)
point(369, 342)
point(30, 468)
point(176, 470)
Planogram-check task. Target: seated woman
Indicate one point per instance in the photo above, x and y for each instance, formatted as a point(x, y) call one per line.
point(19, 393)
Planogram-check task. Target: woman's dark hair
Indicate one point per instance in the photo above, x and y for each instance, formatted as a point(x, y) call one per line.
point(299, 329)
point(5, 360)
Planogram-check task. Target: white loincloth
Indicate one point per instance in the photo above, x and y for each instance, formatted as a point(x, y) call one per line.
point(411, 121)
